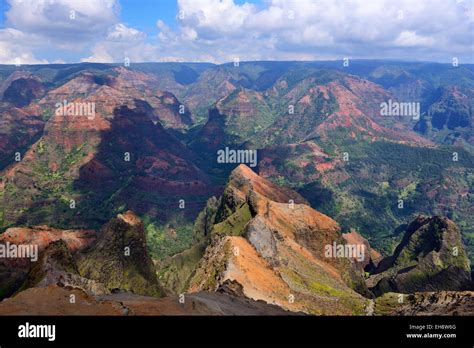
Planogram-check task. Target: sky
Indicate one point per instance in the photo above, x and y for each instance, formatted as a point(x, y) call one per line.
point(218, 31)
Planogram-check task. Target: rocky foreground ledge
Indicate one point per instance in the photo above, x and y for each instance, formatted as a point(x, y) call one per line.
point(263, 255)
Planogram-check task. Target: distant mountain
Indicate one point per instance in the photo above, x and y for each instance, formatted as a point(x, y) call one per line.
point(82, 144)
point(19, 129)
point(449, 119)
point(23, 91)
point(122, 149)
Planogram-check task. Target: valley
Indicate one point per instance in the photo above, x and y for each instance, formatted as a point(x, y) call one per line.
point(227, 183)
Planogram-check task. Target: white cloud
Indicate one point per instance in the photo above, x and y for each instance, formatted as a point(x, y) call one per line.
point(220, 30)
point(189, 33)
point(65, 22)
point(17, 48)
point(291, 29)
point(37, 26)
point(120, 43)
point(410, 38)
point(99, 55)
point(120, 32)
point(214, 17)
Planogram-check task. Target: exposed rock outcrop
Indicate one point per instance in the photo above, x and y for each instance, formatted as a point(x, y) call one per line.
point(54, 300)
point(43, 235)
point(120, 259)
point(371, 256)
point(23, 90)
point(426, 303)
point(430, 257)
point(267, 240)
point(13, 271)
point(56, 266)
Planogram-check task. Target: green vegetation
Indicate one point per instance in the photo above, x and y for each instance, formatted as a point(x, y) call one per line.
point(46, 114)
point(426, 179)
point(388, 303)
point(174, 273)
point(235, 223)
point(313, 282)
point(208, 278)
point(168, 239)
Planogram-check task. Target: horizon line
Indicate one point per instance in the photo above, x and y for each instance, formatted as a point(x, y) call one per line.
point(250, 61)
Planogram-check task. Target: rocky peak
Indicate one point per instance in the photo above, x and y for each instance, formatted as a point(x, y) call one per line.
point(245, 180)
point(129, 218)
point(56, 258)
point(56, 268)
point(120, 259)
point(265, 234)
point(430, 257)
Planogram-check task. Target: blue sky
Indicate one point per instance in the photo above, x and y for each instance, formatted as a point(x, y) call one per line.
point(142, 14)
point(34, 31)
point(3, 8)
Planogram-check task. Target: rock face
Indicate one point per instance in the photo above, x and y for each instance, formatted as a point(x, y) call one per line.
point(238, 116)
point(56, 266)
point(19, 128)
point(43, 235)
point(439, 303)
point(22, 91)
point(449, 119)
point(169, 111)
point(13, 272)
point(426, 303)
point(274, 249)
point(119, 154)
point(120, 258)
point(75, 259)
point(371, 256)
point(430, 257)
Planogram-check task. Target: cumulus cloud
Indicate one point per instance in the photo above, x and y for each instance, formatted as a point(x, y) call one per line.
point(41, 25)
point(222, 30)
point(120, 32)
point(65, 22)
point(315, 29)
point(99, 55)
point(214, 18)
point(120, 43)
point(411, 38)
point(17, 47)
